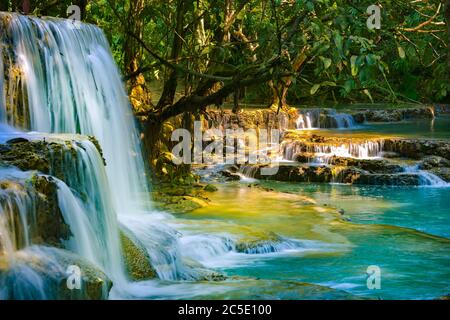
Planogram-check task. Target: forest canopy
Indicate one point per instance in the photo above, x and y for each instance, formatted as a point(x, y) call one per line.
point(179, 57)
point(321, 51)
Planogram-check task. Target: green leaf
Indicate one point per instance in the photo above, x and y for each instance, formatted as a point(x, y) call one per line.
point(326, 62)
point(354, 66)
point(328, 84)
point(314, 89)
point(367, 93)
point(401, 52)
point(349, 85)
point(339, 43)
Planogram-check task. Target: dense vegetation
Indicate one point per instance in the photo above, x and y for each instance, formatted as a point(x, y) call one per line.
point(180, 56)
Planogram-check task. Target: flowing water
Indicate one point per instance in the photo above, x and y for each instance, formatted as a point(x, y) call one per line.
point(276, 238)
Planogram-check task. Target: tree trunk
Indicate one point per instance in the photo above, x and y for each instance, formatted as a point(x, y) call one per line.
point(138, 91)
point(280, 90)
point(170, 87)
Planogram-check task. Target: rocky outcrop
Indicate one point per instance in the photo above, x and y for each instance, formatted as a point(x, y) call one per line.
point(45, 155)
point(251, 119)
point(389, 179)
point(418, 148)
point(393, 115)
point(370, 165)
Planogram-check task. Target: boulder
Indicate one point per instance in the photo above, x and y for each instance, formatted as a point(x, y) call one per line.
point(52, 271)
point(136, 258)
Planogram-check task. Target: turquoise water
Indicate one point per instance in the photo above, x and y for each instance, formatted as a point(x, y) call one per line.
point(385, 230)
point(405, 231)
point(438, 128)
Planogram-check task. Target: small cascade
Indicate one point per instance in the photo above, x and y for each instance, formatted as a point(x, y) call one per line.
point(324, 119)
point(426, 178)
point(18, 210)
point(248, 173)
point(322, 152)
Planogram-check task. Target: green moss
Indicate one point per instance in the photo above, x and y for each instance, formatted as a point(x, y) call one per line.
point(137, 260)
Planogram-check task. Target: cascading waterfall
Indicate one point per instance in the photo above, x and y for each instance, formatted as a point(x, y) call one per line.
point(72, 85)
point(320, 153)
point(324, 118)
point(426, 178)
point(69, 83)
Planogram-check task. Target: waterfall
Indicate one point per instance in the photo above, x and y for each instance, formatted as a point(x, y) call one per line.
point(324, 118)
point(69, 83)
point(426, 178)
point(322, 152)
point(72, 85)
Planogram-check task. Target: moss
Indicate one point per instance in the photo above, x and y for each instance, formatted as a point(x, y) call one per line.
point(256, 239)
point(137, 260)
point(210, 188)
point(181, 198)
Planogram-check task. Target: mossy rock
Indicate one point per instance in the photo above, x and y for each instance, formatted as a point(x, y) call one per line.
point(210, 188)
point(51, 265)
point(136, 258)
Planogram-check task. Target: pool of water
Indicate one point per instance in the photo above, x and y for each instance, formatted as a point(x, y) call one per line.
point(438, 128)
point(404, 232)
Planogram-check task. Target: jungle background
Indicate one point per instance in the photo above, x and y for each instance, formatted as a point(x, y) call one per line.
point(179, 57)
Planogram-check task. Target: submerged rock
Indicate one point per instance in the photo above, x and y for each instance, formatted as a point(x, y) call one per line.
point(136, 258)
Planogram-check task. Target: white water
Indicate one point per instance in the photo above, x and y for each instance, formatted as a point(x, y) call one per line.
point(72, 85)
point(426, 178)
point(325, 119)
point(322, 152)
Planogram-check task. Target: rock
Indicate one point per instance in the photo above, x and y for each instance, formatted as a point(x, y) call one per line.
point(389, 179)
point(45, 222)
point(370, 165)
point(393, 115)
point(210, 188)
point(389, 155)
point(251, 119)
point(230, 176)
point(418, 148)
point(430, 162)
point(441, 172)
point(17, 140)
point(137, 259)
point(259, 242)
point(50, 270)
